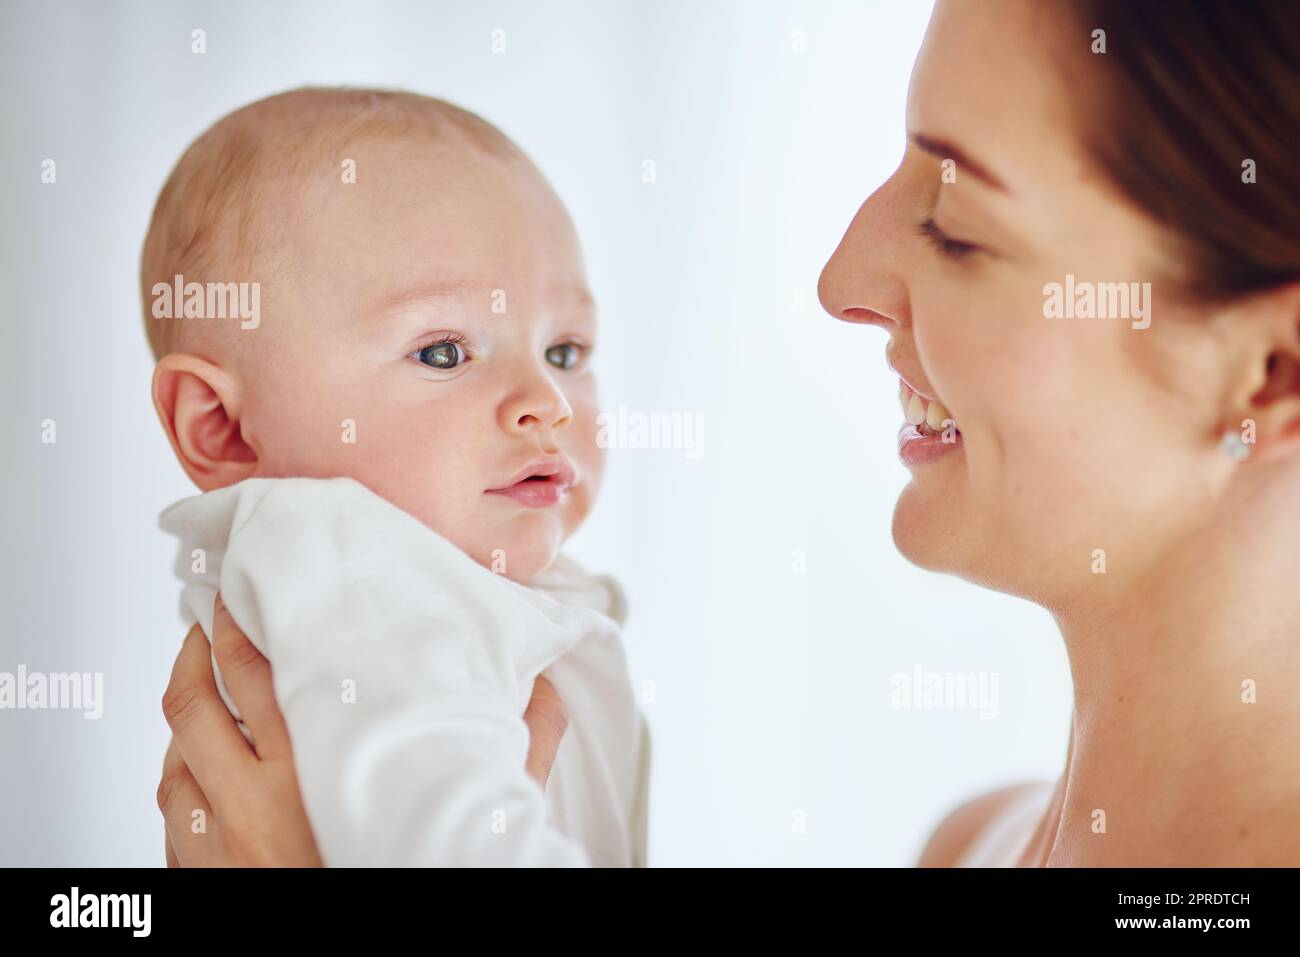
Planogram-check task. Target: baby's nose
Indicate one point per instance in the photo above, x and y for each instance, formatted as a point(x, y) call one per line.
point(539, 406)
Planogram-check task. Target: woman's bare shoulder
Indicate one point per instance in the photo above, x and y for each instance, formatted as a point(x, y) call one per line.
point(958, 830)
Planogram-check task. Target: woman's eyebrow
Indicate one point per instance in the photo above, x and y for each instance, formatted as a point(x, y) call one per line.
point(947, 150)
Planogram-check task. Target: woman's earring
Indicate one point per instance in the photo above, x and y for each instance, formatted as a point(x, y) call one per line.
point(1234, 446)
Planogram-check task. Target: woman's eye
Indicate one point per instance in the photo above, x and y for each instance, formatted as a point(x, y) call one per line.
point(441, 355)
point(946, 245)
point(564, 356)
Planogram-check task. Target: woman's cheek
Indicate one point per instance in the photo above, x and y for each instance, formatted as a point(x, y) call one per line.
point(950, 357)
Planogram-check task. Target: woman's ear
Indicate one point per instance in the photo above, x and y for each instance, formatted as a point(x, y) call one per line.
point(198, 404)
point(1267, 391)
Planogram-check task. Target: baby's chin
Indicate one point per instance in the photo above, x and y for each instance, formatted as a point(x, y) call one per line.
point(522, 558)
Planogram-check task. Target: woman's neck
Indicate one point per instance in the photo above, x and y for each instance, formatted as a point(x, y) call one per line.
point(1186, 722)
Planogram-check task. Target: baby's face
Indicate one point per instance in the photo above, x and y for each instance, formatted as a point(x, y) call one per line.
point(428, 335)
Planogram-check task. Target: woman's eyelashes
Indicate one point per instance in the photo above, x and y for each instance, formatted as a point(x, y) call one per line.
point(945, 244)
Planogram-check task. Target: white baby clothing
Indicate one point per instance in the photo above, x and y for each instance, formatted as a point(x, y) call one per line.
point(403, 669)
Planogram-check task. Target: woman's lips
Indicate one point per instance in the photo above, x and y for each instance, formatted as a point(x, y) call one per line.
point(916, 447)
point(929, 431)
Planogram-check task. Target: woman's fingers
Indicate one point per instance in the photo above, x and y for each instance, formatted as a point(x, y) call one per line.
point(547, 721)
point(203, 730)
point(179, 798)
point(247, 675)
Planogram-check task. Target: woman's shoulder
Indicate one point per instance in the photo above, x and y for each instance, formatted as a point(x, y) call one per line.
point(1008, 815)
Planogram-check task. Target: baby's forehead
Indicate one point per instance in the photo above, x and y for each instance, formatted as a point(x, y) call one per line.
point(434, 228)
point(364, 186)
point(382, 171)
point(282, 165)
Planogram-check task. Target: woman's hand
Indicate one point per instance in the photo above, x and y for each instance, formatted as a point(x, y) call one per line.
point(223, 803)
point(226, 804)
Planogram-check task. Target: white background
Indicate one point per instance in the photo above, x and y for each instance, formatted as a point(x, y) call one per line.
point(771, 688)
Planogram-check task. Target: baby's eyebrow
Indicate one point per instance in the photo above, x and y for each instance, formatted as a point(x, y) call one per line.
point(576, 295)
point(448, 290)
point(458, 292)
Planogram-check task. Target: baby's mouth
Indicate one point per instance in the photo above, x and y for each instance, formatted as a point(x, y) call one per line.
point(929, 416)
point(542, 483)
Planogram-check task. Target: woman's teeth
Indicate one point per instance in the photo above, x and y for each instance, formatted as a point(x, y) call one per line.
point(925, 415)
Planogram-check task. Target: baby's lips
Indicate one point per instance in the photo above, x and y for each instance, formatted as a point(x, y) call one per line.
point(549, 466)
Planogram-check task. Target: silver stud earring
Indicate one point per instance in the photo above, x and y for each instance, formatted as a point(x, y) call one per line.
point(1234, 446)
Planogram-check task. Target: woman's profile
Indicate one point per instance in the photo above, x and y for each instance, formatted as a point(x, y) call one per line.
point(1128, 459)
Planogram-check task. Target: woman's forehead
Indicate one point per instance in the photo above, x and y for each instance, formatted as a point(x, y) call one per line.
point(994, 88)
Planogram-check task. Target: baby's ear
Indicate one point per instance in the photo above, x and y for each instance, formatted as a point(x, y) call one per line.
point(198, 404)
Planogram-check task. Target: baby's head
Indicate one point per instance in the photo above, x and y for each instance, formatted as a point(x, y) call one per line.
point(422, 320)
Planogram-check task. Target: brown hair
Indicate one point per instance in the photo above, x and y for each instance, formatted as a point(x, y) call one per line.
point(1189, 92)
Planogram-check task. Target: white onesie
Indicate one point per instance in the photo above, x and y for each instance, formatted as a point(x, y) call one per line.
point(403, 669)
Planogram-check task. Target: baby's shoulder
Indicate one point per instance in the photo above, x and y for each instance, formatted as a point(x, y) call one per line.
point(963, 826)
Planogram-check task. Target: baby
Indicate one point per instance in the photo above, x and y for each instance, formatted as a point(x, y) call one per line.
point(373, 325)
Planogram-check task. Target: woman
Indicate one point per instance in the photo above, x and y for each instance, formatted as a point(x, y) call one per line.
point(1088, 267)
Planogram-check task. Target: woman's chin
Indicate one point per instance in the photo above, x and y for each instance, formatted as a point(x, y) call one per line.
point(936, 532)
point(926, 528)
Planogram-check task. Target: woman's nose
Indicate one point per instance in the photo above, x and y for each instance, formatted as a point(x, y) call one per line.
point(537, 404)
point(862, 281)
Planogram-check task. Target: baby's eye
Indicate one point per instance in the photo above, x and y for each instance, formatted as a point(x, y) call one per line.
point(441, 355)
point(565, 356)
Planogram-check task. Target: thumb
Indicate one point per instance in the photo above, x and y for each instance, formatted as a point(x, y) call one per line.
point(546, 720)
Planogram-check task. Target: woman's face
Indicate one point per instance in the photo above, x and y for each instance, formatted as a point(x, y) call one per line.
point(1076, 434)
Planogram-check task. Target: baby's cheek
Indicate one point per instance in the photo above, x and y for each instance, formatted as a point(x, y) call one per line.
point(594, 466)
point(316, 435)
point(584, 445)
point(310, 449)
point(590, 460)
point(578, 507)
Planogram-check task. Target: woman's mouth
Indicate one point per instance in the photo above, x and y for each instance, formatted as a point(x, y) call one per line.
point(930, 431)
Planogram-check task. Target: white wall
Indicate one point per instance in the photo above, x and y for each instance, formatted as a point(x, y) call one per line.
point(772, 688)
